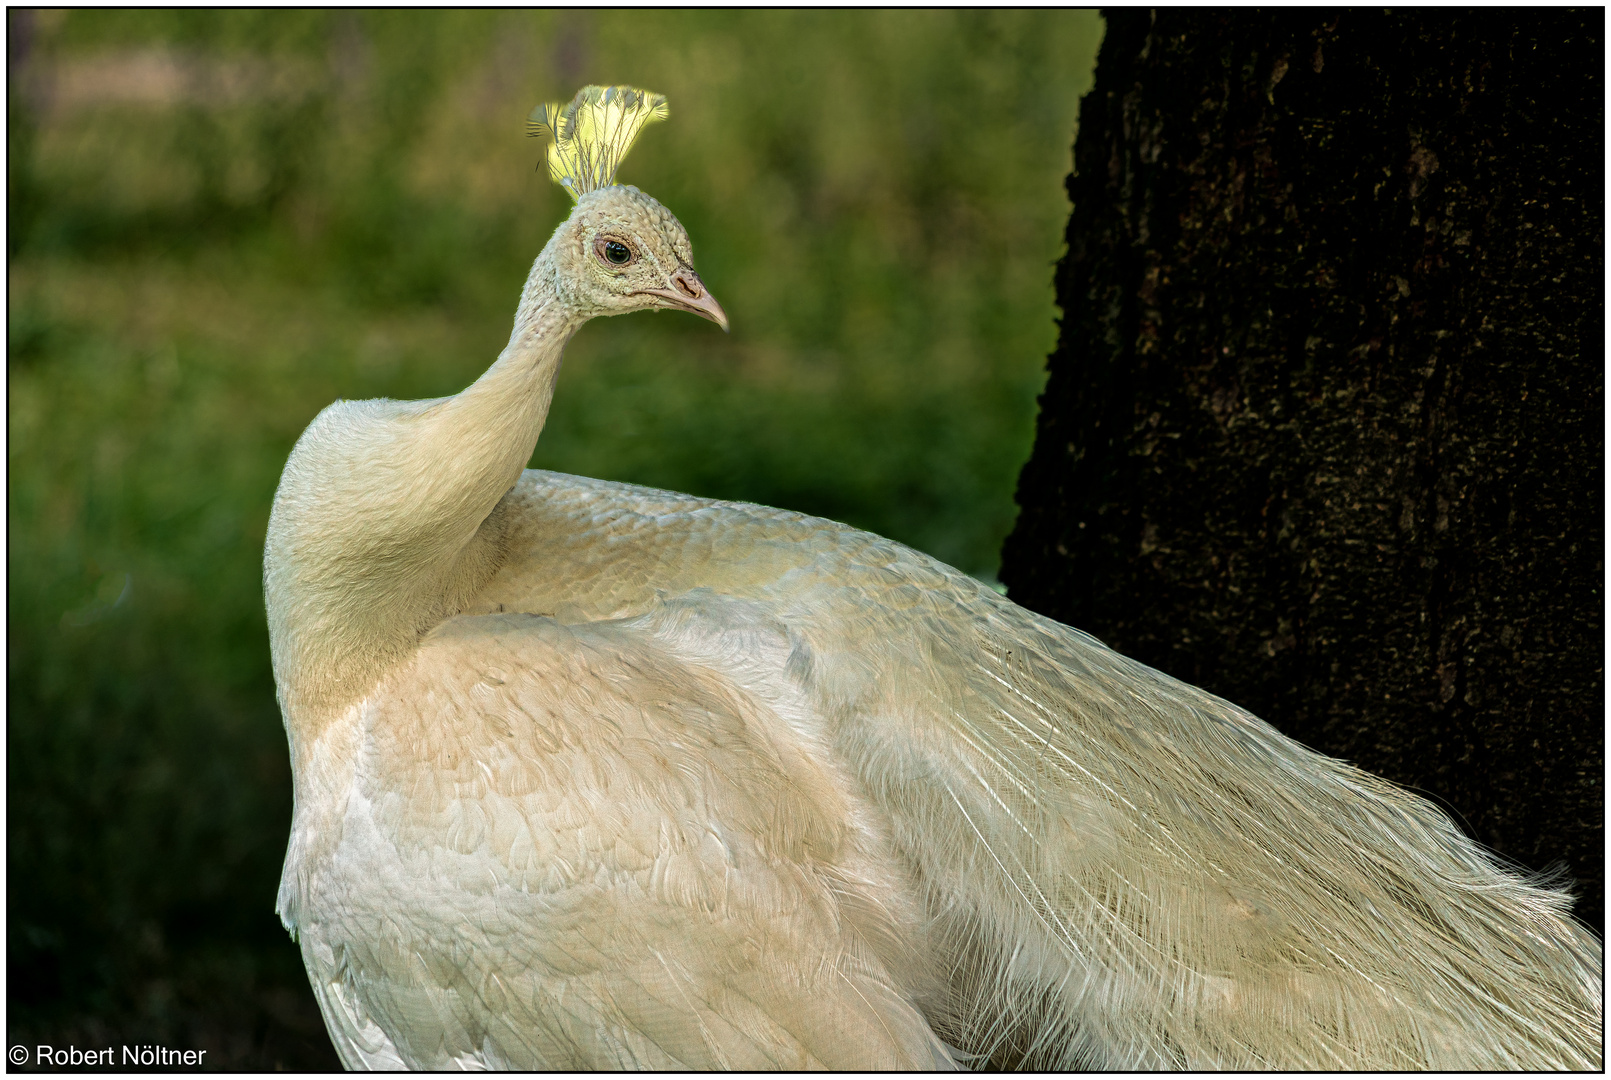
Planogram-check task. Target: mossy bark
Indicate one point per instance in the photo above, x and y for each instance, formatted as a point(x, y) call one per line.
point(1323, 431)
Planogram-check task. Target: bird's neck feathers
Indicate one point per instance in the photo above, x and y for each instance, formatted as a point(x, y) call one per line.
point(380, 527)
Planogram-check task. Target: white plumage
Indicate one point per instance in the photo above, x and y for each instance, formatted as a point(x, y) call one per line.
point(594, 776)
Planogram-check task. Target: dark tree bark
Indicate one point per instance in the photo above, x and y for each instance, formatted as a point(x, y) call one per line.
point(1323, 431)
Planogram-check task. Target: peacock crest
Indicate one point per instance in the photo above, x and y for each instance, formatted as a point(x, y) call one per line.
point(589, 137)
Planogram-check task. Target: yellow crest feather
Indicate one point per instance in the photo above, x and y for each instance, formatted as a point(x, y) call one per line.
point(589, 137)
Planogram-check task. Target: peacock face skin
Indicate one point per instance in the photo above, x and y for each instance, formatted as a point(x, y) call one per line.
point(623, 251)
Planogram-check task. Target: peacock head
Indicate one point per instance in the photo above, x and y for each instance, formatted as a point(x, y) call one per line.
point(620, 250)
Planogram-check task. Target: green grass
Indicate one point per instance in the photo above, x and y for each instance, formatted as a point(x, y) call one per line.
point(219, 222)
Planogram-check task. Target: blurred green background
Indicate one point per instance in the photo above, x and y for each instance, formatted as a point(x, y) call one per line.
point(221, 221)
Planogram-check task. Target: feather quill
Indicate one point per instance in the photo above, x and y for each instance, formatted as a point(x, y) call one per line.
point(589, 137)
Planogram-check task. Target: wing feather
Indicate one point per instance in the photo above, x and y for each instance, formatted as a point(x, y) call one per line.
point(562, 848)
point(1124, 869)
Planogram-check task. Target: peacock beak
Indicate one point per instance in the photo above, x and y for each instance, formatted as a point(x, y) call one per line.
point(688, 293)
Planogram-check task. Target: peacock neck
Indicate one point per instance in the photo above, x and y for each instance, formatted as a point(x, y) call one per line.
point(486, 433)
point(380, 526)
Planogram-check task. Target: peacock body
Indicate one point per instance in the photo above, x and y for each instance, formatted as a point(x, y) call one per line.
point(595, 776)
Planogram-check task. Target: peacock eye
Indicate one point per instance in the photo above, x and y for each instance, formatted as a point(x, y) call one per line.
point(616, 253)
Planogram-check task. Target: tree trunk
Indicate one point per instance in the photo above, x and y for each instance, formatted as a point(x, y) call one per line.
point(1323, 431)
